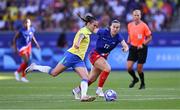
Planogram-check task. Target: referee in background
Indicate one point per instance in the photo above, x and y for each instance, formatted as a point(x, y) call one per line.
point(139, 35)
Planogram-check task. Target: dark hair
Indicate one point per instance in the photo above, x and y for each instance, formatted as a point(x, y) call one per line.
point(24, 21)
point(115, 21)
point(87, 18)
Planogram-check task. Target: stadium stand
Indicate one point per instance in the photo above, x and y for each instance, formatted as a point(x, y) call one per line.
point(59, 15)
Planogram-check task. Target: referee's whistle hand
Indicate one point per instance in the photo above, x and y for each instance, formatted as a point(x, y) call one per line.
point(140, 47)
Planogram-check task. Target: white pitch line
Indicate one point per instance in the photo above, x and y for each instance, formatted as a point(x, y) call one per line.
point(149, 95)
point(63, 101)
point(22, 87)
point(20, 101)
point(36, 98)
point(128, 89)
point(160, 98)
point(38, 95)
point(168, 89)
point(61, 95)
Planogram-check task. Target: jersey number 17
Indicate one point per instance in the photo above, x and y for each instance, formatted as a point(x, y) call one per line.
point(106, 46)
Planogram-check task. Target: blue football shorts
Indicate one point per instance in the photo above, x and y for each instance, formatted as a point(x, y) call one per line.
point(72, 60)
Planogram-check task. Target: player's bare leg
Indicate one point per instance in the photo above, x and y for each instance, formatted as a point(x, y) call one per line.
point(94, 74)
point(47, 69)
point(105, 68)
point(57, 70)
point(22, 67)
point(26, 61)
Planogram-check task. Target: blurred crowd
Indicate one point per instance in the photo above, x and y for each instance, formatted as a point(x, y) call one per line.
point(60, 15)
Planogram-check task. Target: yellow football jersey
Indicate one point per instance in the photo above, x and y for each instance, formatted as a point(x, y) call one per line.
point(84, 43)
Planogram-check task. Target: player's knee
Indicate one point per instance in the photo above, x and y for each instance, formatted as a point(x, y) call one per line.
point(139, 70)
point(54, 73)
point(92, 79)
point(107, 69)
point(129, 69)
point(26, 63)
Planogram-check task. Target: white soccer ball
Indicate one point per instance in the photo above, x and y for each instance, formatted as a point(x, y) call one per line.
point(110, 95)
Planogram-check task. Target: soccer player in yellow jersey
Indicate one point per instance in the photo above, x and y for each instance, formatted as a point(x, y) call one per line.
point(74, 57)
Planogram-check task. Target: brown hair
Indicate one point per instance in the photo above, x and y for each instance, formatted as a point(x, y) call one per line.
point(87, 18)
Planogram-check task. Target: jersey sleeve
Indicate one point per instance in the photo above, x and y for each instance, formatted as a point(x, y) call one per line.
point(147, 31)
point(81, 33)
point(33, 29)
point(120, 38)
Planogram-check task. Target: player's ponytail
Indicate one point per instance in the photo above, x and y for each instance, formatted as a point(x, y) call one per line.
point(87, 18)
point(79, 15)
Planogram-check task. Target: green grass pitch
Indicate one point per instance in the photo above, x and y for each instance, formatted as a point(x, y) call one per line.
point(45, 92)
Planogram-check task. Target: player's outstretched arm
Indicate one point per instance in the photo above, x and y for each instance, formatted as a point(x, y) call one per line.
point(125, 47)
point(35, 41)
point(77, 44)
point(14, 42)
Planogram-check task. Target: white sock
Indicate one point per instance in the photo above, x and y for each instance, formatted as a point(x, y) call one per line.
point(99, 88)
point(44, 69)
point(84, 88)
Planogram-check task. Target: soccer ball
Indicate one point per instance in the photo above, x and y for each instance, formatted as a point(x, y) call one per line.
point(110, 95)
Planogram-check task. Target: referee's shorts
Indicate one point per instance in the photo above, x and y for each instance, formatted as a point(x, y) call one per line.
point(139, 55)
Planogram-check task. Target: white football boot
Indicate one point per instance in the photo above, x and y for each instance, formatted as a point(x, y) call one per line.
point(30, 68)
point(99, 92)
point(23, 79)
point(77, 93)
point(87, 98)
point(17, 77)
